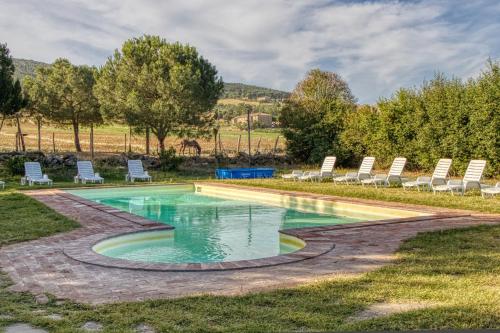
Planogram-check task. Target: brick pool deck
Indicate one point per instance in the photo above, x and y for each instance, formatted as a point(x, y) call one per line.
point(54, 264)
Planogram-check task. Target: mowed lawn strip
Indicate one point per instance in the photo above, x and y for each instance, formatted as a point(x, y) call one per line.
point(455, 274)
point(23, 218)
point(471, 201)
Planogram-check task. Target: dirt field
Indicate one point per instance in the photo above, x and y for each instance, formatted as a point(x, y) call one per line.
point(112, 139)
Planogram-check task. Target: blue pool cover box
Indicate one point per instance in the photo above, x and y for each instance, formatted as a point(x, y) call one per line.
point(244, 173)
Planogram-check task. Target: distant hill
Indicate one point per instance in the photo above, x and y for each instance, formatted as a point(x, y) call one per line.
point(246, 91)
point(26, 67)
point(231, 90)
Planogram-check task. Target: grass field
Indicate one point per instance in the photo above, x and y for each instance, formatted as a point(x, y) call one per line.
point(472, 201)
point(454, 276)
point(112, 139)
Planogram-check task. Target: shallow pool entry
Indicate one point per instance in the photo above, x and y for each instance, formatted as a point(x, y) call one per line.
point(207, 228)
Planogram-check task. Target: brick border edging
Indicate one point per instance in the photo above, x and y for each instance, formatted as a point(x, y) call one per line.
point(312, 249)
point(316, 244)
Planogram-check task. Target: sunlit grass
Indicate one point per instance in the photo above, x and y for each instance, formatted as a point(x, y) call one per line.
point(455, 273)
point(472, 201)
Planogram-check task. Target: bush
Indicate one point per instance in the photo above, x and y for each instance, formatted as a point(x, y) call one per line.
point(313, 117)
point(169, 161)
point(15, 164)
point(444, 118)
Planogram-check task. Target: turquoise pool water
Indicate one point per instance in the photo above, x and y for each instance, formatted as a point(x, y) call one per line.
point(207, 229)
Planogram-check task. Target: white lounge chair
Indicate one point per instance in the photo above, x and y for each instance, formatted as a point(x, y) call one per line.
point(394, 175)
point(86, 173)
point(325, 172)
point(33, 174)
point(490, 191)
point(2, 183)
point(293, 176)
point(471, 180)
point(136, 171)
point(439, 177)
point(365, 171)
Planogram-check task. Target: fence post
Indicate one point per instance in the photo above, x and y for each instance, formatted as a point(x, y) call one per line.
point(221, 148)
point(92, 141)
point(125, 150)
point(239, 142)
point(258, 144)
point(130, 140)
point(53, 142)
point(249, 143)
point(276, 144)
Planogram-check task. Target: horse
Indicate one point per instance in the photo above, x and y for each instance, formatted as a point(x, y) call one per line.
point(190, 144)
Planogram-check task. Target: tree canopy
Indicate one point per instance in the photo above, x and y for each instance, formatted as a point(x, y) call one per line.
point(444, 117)
point(11, 97)
point(63, 93)
point(313, 117)
point(167, 87)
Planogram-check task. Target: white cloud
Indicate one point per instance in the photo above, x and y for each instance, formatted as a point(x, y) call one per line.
point(376, 46)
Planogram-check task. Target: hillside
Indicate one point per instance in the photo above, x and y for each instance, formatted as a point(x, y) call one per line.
point(246, 91)
point(26, 67)
point(232, 90)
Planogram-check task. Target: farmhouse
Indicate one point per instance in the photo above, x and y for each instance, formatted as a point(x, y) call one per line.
point(264, 119)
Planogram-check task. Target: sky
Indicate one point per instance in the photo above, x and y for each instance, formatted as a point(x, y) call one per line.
point(376, 46)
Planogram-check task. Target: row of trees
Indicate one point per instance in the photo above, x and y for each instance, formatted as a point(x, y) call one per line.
point(150, 85)
point(442, 118)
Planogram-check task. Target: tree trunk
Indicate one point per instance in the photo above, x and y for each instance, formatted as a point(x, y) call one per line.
point(76, 131)
point(3, 119)
point(39, 131)
point(20, 133)
point(147, 141)
point(161, 142)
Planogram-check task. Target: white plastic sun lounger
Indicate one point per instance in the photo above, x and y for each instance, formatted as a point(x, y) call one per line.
point(394, 175)
point(33, 174)
point(136, 171)
point(2, 183)
point(487, 191)
point(439, 177)
point(86, 173)
point(365, 171)
point(293, 176)
point(471, 180)
point(325, 172)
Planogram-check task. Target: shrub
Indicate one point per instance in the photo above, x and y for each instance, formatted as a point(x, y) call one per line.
point(313, 117)
point(15, 164)
point(442, 118)
point(168, 159)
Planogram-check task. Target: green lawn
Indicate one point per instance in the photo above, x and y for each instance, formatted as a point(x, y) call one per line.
point(23, 218)
point(456, 273)
point(472, 201)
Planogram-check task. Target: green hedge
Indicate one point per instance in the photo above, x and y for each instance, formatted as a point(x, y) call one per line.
point(442, 118)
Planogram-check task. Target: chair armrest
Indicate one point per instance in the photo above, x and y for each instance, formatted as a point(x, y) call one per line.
point(380, 176)
point(351, 174)
point(97, 174)
point(455, 182)
point(146, 173)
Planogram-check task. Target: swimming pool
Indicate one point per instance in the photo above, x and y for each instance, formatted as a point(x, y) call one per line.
point(210, 225)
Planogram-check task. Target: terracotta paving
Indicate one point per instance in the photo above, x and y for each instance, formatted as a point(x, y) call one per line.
point(41, 266)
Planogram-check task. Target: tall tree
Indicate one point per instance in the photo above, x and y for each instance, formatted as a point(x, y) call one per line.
point(38, 106)
point(65, 94)
point(166, 87)
point(11, 98)
point(313, 116)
